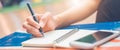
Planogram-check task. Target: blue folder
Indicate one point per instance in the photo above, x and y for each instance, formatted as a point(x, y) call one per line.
point(16, 38)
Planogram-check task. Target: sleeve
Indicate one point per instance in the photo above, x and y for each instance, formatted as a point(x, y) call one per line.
point(108, 11)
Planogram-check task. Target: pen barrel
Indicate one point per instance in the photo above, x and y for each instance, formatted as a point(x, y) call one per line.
point(29, 6)
point(34, 17)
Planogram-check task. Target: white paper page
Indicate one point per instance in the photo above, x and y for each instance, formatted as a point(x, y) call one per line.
point(47, 40)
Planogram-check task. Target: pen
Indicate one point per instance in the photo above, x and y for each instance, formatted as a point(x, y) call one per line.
point(34, 17)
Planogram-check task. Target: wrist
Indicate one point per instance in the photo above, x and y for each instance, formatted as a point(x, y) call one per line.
point(58, 22)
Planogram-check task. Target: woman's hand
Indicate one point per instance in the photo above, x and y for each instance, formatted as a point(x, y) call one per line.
point(46, 22)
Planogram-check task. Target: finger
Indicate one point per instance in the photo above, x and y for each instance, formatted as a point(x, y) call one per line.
point(24, 25)
point(34, 35)
point(39, 16)
point(33, 23)
point(32, 30)
point(44, 19)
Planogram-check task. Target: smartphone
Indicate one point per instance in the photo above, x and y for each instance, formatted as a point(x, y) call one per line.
point(95, 39)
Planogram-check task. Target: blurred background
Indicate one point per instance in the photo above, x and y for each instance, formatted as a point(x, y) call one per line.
point(14, 12)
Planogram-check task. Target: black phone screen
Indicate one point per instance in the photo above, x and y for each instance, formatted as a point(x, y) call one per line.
point(97, 36)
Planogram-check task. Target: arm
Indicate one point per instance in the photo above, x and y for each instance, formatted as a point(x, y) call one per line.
point(49, 22)
point(85, 8)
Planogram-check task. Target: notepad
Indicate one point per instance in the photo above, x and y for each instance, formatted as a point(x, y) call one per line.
point(58, 38)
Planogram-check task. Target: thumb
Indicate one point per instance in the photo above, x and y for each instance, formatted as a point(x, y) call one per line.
point(44, 19)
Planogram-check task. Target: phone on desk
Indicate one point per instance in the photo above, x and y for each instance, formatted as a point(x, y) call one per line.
point(95, 39)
